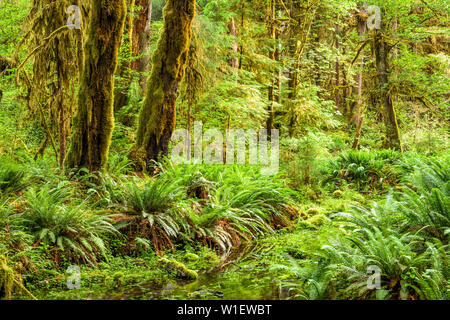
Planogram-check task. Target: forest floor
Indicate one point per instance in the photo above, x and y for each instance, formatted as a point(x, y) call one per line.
point(262, 270)
point(214, 232)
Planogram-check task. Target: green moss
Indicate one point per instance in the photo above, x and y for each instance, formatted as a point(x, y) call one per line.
point(94, 121)
point(179, 270)
point(337, 194)
point(191, 257)
point(312, 212)
point(10, 282)
point(318, 220)
point(211, 259)
point(7, 275)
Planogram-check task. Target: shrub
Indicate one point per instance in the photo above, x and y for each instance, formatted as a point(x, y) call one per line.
point(12, 178)
point(154, 211)
point(68, 229)
point(426, 204)
point(364, 169)
point(12, 236)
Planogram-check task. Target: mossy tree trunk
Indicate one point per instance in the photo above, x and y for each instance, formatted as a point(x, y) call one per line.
point(94, 122)
point(158, 114)
point(381, 50)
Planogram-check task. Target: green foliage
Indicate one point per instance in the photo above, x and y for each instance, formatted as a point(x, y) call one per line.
point(374, 170)
point(353, 209)
point(13, 239)
point(69, 228)
point(426, 204)
point(12, 178)
point(155, 210)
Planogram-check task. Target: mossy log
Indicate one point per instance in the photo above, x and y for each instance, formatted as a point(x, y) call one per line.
point(10, 282)
point(157, 116)
point(94, 121)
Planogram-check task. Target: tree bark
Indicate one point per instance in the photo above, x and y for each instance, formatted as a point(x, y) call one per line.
point(273, 95)
point(94, 122)
point(234, 61)
point(358, 117)
point(158, 114)
point(141, 40)
point(381, 50)
point(337, 71)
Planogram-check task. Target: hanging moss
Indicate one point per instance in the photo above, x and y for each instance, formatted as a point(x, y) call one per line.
point(50, 87)
point(94, 122)
point(157, 116)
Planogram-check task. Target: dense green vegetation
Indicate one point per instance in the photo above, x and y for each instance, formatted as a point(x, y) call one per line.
point(364, 177)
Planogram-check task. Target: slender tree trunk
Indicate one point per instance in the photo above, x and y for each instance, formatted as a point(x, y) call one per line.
point(272, 56)
point(293, 85)
point(158, 114)
point(122, 86)
point(141, 40)
point(337, 71)
point(62, 135)
point(234, 61)
point(241, 49)
point(94, 122)
point(358, 117)
point(381, 50)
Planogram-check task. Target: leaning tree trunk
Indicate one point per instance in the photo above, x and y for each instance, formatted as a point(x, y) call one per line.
point(381, 50)
point(94, 122)
point(158, 114)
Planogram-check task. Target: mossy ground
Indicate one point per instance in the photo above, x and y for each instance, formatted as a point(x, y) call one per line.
point(196, 273)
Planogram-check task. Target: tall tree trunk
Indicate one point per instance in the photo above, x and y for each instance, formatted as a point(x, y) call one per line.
point(241, 49)
point(358, 117)
point(234, 61)
point(122, 86)
point(272, 55)
point(158, 114)
point(381, 49)
point(293, 85)
point(141, 40)
point(337, 71)
point(94, 122)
